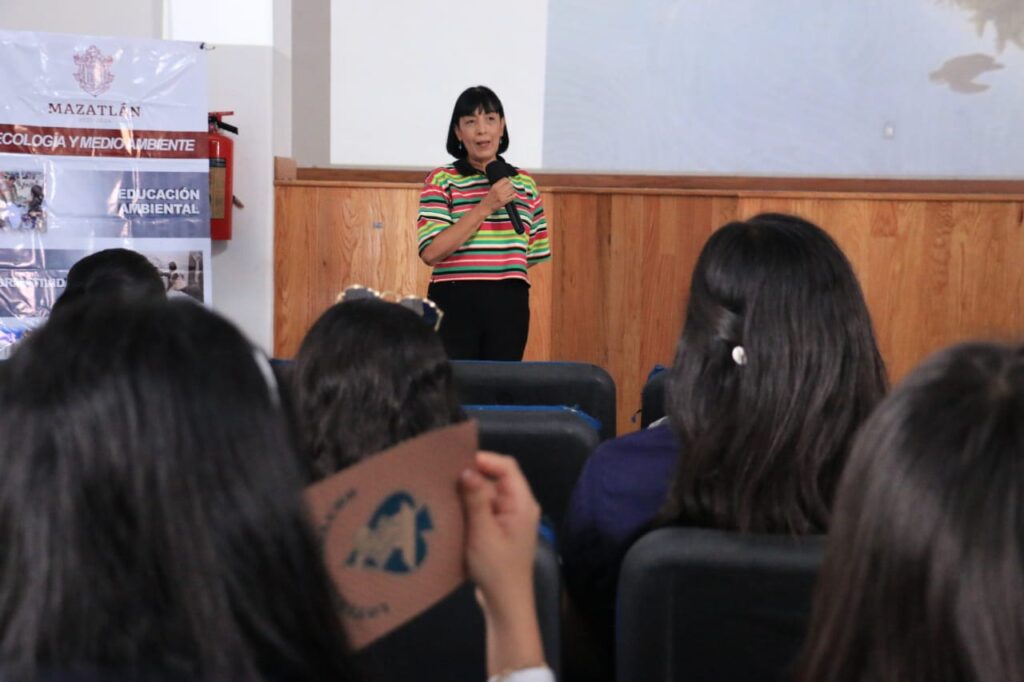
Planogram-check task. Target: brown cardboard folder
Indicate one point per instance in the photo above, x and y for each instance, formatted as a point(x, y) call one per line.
point(392, 530)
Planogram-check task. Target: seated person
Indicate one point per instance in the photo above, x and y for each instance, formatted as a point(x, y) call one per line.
point(776, 368)
point(369, 374)
point(112, 275)
point(152, 520)
point(923, 577)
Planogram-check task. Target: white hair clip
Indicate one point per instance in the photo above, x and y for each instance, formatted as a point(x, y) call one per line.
point(739, 356)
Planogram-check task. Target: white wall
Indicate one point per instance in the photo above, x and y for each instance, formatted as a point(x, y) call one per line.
point(243, 268)
point(282, 77)
point(865, 88)
point(128, 18)
point(224, 22)
point(311, 82)
point(242, 67)
point(397, 67)
point(787, 87)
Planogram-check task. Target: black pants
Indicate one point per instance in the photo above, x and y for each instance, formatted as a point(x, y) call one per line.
point(483, 320)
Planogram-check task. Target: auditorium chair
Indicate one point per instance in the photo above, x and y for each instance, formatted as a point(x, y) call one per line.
point(549, 443)
point(700, 605)
point(446, 642)
point(652, 398)
point(547, 583)
point(575, 384)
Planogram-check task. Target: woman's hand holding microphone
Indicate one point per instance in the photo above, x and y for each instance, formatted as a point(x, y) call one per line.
point(502, 192)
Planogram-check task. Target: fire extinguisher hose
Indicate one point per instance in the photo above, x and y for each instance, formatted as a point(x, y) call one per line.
point(223, 126)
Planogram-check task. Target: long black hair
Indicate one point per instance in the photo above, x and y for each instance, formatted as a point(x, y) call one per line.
point(368, 375)
point(776, 368)
point(472, 100)
point(923, 579)
point(151, 521)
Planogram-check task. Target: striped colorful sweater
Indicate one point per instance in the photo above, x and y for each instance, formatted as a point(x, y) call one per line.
point(494, 251)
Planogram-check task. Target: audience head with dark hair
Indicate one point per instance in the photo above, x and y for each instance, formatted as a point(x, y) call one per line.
point(113, 275)
point(776, 368)
point(150, 508)
point(368, 375)
point(923, 579)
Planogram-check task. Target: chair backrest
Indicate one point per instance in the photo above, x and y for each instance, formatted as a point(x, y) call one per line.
point(547, 582)
point(447, 642)
point(652, 399)
point(550, 444)
point(574, 384)
point(700, 605)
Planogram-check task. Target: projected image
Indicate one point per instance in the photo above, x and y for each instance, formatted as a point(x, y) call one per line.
point(1005, 15)
point(730, 88)
point(962, 73)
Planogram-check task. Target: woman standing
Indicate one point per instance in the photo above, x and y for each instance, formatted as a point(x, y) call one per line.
point(466, 234)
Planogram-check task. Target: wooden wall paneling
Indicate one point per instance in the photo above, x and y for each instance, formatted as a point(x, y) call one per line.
point(538, 345)
point(883, 244)
point(336, 236)
point(935, 270)
point(343, 219)
point(675, 230)
point(922, 310)
point(625, 280)
point(992, 299)
point(369, 237)
point(624, 335)
point(295, 220)
point(886, 242)
point(662, 237)
point(705, 185)
point(579, 328)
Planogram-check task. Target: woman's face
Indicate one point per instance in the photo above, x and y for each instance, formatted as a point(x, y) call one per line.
point(481, 134)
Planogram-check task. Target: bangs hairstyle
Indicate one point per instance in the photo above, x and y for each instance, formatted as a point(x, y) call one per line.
point(369, 374)
point(472, 100)
point(763, 443)
point(923, 578)
point(150, 507)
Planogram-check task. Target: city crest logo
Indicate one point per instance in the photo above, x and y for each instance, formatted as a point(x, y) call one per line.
point(395, 539)
point(93, 73)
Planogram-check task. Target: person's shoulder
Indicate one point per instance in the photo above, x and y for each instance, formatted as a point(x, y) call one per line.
point(656, 438)
point(656, 447)
point(525, 177)
point(442, 176)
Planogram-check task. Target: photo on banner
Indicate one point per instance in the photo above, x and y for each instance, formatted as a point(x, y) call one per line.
point(31, 280)
point(21, 201)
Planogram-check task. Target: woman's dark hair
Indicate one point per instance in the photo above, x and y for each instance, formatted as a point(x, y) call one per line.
point(151, 520)
point(763, 443)
point(923, 579)
point(472, 100)
point(368, 375)
point(114, 275)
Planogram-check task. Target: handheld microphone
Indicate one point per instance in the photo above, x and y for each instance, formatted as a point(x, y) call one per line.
point(496, 170)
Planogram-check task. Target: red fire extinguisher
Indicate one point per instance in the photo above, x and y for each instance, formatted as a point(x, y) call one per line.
point(222, 161)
